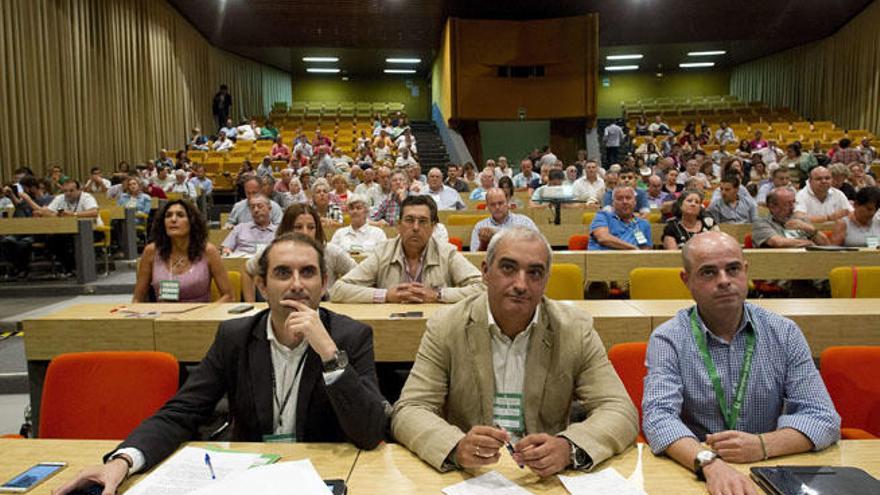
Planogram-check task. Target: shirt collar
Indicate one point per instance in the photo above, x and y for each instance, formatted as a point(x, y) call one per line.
point(493, 326)
point(745, 323)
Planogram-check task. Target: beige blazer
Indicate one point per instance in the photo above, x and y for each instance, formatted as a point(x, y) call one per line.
point(451, 386)
point(445, 268)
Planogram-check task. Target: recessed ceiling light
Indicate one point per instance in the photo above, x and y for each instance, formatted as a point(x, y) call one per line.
point(707, 53)
point(403, 60)
point(320, 59)
point(322, 70)
point(400, 71)
point(621, 67)
point(634, 56)
point(696, 64)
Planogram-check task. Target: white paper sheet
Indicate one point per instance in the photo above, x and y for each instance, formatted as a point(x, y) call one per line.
point(185, 471)
point(605, 481)
point(491, 483)
point(637, 478)
point(273, 479)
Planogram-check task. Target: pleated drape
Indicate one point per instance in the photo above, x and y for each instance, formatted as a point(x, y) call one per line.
point(92, 82)
point(836, 79)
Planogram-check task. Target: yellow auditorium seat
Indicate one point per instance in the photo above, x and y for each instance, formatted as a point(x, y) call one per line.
point(588, 217)
point(566, 282)
point(464, 219)
point(234, 281)
point(105, 241)
point(657, 283)
point(855, 281)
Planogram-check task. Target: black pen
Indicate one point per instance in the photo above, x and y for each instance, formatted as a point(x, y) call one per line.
point(509, 447)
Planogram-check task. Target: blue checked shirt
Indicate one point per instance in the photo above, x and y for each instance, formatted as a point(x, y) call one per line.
point(784, 389)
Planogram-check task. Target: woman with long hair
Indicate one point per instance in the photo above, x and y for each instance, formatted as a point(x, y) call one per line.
point(179, 263)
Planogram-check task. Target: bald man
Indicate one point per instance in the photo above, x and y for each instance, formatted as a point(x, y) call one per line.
point(732, 375)
point(500, 217)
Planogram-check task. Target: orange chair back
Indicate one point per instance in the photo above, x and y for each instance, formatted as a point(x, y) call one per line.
point(848, 373)
point(104, 395)
point(578, 242)
point(747, 241)
point(629, 362)
point(481, 206)
point(456, 241)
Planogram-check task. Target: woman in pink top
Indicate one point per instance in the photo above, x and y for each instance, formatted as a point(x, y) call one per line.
point(180, 262)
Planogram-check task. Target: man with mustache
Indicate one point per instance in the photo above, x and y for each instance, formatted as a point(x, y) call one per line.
point(730, 382)
point(293, 372)
point(412, 267)
point(504, 365)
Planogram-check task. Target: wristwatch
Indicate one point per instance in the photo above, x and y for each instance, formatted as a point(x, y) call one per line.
point(703, 459)
point(338, 362)
point(579, 457)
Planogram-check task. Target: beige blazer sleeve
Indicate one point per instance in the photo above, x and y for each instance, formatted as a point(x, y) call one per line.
point(359, 284)
point(612, 421)
point(466, 279)
point(417, 422)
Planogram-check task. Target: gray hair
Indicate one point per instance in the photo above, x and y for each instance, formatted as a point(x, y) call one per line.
point(517, 234)
point(357, 198)
point(620, 188)
point(322, 182)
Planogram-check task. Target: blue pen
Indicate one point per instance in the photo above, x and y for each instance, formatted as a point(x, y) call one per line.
point(210, 467)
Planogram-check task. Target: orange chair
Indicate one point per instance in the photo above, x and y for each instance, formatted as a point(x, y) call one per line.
point(457, 242)
point(629, 362)
point(481, 206)
point(578, 242)
point(854, 388)
point(104, 395)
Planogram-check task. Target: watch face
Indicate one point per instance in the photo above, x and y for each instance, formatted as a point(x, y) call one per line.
point(705, 456)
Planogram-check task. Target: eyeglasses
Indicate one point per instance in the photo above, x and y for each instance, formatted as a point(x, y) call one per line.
point(410, 221)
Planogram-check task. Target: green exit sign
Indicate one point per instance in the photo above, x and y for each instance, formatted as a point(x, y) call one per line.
point(606, 82)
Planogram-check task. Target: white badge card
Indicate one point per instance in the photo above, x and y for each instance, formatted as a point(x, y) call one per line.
point(872, 241)
point(507, 413)
point(169, 290)
point(640, 238)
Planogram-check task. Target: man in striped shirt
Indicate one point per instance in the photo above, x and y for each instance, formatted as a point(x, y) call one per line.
point(500, 218)
point(734, 376)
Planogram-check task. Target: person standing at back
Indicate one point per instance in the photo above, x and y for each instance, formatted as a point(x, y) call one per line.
point(221, 106)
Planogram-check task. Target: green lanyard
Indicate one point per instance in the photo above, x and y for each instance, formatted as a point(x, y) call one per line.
point(730, 415)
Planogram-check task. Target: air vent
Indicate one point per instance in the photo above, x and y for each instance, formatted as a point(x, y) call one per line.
point(520, 71)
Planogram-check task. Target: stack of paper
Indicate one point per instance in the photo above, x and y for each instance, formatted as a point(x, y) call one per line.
point(274, 479)
point(605, 481)
point(491, 483)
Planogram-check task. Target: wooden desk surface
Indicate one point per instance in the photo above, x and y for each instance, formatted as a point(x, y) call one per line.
point(330, 460)
point(39, 225)
point(187, 336)
point(391, 469)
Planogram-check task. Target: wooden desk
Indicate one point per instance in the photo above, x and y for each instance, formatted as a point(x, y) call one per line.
point(330, 460)
point(81, 229)
point(187, 336)
point(391, 469)
point(764, 264)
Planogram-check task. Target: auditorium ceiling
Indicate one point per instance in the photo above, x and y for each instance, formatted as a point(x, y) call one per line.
point(362, 33)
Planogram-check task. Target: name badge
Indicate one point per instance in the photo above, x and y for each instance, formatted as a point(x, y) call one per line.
point(507, 413)
point(872, 241)
point(280, 438)
point(259, 247)
point(355, 249)
point(640, 238)
point(169, 290)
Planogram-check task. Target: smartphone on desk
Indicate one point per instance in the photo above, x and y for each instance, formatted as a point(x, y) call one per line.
point(408, 314)
point(241, 308)
point(35, 475)
point(337, 486)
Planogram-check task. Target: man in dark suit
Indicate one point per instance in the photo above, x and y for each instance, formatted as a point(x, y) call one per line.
point(295, 372)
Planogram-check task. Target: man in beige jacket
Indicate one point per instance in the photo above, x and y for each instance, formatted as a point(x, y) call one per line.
point(504, 365)
point(411, 268)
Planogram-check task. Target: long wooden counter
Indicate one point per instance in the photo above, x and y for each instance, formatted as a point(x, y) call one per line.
point(392, 469)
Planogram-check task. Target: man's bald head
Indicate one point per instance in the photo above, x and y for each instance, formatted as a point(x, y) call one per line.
point(704, 243)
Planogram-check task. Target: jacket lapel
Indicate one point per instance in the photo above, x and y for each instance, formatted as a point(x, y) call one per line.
point(480, 348)
point(260, 370)
point(538, 362)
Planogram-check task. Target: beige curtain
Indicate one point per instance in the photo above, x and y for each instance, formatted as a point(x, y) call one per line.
point(93, 82)
point(836, 79)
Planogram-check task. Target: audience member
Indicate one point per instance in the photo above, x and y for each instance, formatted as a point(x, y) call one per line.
point(526, 179)
point(779, 178)
point(182, 186)
point(783, 228)
point(861, 228)
point(732, 206)
point(688, 219)
point(241, 212)
point(251, 237)
point(628, 176)
point(179, 264)
point(224, 142)
point(819, 201)
point(96, 183)
point(497, 331)
point(412, 267)
point(387, 213)
point(358, 237)
point(163, 178)
point(339, 194)
point(840, 175)
point(331, 214)
point(858, 178)
point(453, 178)
point(781, 406)
point(500, 217)
point(133, 197)
point(446, 197)
point(197, 140)
point(336, 397)
point(620, 229)
point(221, 105)
point(589, 188)
point(369, 188)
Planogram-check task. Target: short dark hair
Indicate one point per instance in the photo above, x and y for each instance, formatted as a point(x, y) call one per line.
point(293, 212)
point(75, 181)
point(556, 174)
point(96, 169)
point(297, 238)
point(732, 179)
point(28, 181)
point(868, 195)
point(198, 231)
point(420, 200)
point(844, 143)
point(628, 169)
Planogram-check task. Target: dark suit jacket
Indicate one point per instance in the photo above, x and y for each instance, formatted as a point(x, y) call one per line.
point(239, 364)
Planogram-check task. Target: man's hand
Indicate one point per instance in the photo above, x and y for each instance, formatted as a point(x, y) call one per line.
point(736, 446)
point(485, 234)
point(404, 294)
point(306, 322)
point(721, 479)
point(798, 224)
point(544, 454)
point(228, 226)
point(481, 446)
point(110, 475)
point(422, 293)
point(837, 215)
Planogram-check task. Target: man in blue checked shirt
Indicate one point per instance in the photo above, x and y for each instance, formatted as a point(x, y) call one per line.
point(732, 375)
